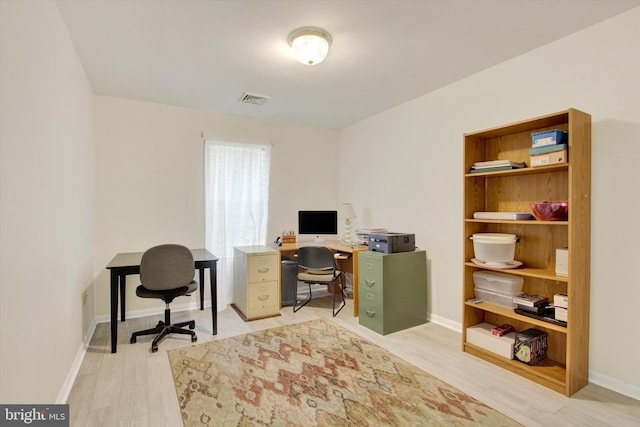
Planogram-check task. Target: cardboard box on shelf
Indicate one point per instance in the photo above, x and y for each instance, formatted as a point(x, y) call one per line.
point(548, 159)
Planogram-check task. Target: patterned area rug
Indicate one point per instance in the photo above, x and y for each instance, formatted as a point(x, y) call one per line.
point(314, 373)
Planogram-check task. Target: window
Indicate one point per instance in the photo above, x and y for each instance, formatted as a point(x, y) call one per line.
point(236, 204)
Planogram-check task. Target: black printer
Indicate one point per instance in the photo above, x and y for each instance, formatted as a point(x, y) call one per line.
point(390, 243)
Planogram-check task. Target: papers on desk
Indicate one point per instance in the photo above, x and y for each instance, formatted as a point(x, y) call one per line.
point(370, 230)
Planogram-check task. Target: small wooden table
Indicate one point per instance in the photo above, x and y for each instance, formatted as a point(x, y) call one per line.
point(347, 261)
point(124, 264)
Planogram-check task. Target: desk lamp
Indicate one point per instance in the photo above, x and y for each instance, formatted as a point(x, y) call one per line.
point(348, 214)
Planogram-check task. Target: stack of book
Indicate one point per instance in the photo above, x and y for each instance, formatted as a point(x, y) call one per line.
point(496, 165)
point(548, 148)
point(537, 307)
point(531, 303)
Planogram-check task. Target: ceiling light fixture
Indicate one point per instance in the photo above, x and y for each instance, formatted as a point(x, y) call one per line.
point(310, 44)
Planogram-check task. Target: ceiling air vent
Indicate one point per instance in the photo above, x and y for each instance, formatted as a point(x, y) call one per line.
point(254, 98)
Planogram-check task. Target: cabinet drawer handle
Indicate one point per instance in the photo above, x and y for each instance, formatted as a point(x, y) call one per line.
point(368, 266)
point(263, 297)
point(369, 283)
point(263, 270)
point(371, 313)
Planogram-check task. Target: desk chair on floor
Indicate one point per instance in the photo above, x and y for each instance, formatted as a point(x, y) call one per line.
point(166, 272)
point(319, 268)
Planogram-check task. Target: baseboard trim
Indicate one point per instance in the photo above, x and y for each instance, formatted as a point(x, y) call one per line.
point(65, 390)
point(194, 305)
point(443, 321)
point(613, 384)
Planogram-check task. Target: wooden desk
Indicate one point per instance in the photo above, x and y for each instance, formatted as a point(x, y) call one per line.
point(347, 263)
point(124, 264)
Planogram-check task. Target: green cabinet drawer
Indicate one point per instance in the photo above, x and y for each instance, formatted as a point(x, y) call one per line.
point(370, 304)
point(371, 319)
point(370, 272)
point(392, 290)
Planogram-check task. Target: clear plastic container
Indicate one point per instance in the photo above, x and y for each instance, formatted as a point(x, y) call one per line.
point(496, 298)
point(498, 282)
point(494, 247)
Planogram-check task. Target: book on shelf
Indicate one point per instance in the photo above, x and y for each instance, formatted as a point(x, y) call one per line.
point(503, 215)
point(501, 330)
point(493, 169)
point(535, 309)
point(496, 165)
point(530, 300)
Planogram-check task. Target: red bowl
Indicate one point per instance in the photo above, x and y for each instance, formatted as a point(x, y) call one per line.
point(550, 211)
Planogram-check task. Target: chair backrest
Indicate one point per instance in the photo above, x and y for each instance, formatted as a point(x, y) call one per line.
point(316, 258)
point(166, 267)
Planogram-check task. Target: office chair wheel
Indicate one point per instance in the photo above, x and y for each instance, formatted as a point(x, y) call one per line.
point(132, 340)
point(194, 338)
point(192, 325)
point(154, 349)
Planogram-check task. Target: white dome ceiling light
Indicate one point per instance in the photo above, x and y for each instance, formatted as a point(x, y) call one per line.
point(310, 44)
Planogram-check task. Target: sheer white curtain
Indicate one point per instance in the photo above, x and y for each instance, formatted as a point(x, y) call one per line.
point(236, 204)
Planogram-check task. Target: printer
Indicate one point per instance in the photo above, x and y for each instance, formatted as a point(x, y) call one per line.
point(390, 243)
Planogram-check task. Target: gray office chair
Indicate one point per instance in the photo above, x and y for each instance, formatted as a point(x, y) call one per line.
point(166, 272)
point(319, 268)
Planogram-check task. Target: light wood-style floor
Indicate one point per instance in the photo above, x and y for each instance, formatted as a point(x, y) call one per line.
point(134, 387)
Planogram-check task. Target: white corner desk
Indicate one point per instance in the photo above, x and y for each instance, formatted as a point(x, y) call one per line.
point(347, 260)
point(124, 264)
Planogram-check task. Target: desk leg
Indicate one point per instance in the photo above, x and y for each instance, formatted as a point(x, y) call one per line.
point(355, 283)
point(123, 293)
point(114, 311)
point(201, 283)
point(213, 274)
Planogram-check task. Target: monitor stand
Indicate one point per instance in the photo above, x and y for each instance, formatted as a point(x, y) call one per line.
point(318, 241)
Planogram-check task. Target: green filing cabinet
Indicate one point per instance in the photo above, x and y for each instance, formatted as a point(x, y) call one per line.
point(392, 290)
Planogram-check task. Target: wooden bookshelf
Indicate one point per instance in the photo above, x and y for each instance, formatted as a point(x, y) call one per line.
point(566, 367)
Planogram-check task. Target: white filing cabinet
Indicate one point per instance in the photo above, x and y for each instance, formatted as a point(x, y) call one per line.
point(256, 282)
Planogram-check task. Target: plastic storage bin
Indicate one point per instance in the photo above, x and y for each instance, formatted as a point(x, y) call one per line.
point(498, 282)
point(494, 247)
point(496, 298)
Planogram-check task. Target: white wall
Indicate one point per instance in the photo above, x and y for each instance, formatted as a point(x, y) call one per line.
point(151, 185)
point(401, 169)
point(47, 169)
point(416, 184)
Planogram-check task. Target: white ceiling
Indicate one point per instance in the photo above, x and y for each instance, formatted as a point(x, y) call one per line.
point(206, 53)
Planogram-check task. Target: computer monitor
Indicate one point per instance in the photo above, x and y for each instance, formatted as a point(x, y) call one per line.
point(318, 223)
